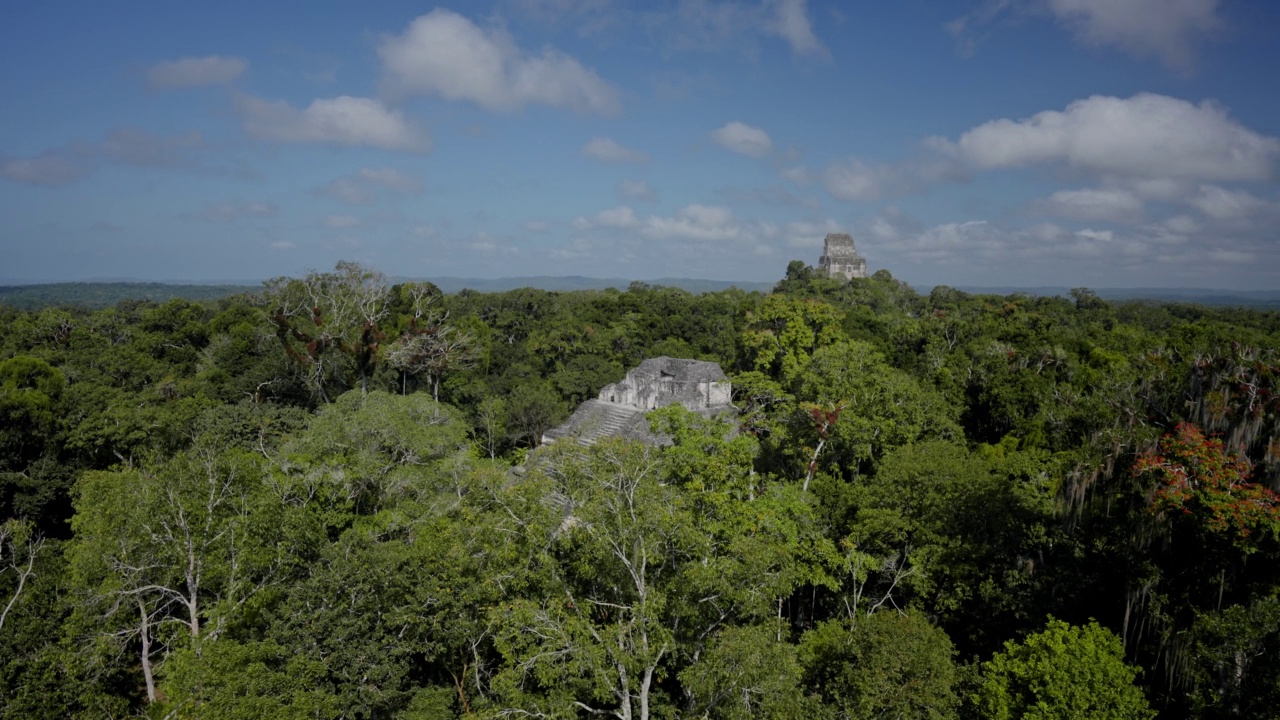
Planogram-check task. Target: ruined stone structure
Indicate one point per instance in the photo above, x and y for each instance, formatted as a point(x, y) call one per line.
point(619, 410)
point(840, 258)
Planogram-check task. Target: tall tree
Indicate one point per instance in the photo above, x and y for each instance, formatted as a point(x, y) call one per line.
point(325, 320)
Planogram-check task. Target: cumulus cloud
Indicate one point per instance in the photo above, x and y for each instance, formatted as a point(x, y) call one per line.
point(1178, 250)
point(692, 222)
point(791, 23)
point(606, 150)
point(122, 146)
point(617, 218)
point(743, 139)
point(854, 180)
point(696, 222)
point(443, 53)
point(1093, 205)
point(195, 72)
point(1145, 136)
point(1167, 29)
point(364, 186)
point(1144, 148)
point(342, 120)
point(1231, 205)
point(636, 190)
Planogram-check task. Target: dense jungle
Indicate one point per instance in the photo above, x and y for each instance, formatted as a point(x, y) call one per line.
point(328, 499)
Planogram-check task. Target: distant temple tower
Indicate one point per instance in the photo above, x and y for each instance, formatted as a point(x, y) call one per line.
point(840, 258)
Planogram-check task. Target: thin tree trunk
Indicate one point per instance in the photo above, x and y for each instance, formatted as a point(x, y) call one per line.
point(813, 465)
point(145, 634)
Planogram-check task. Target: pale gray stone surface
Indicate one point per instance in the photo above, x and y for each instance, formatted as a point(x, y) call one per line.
point(840, 258)
point(698, 385)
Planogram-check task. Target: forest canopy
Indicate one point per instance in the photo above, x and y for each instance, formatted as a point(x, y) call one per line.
point(329, 498)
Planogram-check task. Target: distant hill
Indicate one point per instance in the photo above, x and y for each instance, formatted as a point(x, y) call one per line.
point(96, 295)
point(1256, 299)
point(577, 282)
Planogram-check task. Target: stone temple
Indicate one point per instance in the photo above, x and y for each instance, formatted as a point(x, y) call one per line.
point(840, 258)
point(619, 410)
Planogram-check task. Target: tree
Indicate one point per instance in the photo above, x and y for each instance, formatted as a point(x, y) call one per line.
point(1063, 672)
point(649, 557)
point(170, 547)
point(30, 389)
point(432, 352)
point(746, 673)
point(324, 318)
point(1194, 477)
point(367, 452)
point(782, 335)
point(19, 549)
point(429, 346)
point(532, 410)
point(883, 665)
point(880, 407)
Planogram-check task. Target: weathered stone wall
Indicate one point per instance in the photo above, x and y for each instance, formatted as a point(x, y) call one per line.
point(840, 257)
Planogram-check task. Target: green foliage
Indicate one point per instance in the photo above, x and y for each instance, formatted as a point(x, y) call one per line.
point(910, 478)
point(886, 664)
point(747, 672)
point(244, 681)
point(1064, 671)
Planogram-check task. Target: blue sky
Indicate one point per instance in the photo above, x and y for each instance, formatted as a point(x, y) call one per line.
point(1103, 143)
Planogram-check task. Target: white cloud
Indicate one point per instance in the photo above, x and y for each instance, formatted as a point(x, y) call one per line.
point(342, 120)
point(791, 23)
point(363, 186)
point(1167, 29)
point(636, 190)
point(195, 72)
point(443, 53)
point(1177, 250)
point(1222, 204)
point(50, 169)
point(1234, 257)
point(337, 222)
point(743, 139)
point(696, 222)
point(618, 218)
point(805, 234)
point(799, 175)
point(1145, 136)
point(856, 181)
point(606, 150)
point(536, 226)
point(1093, 205)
